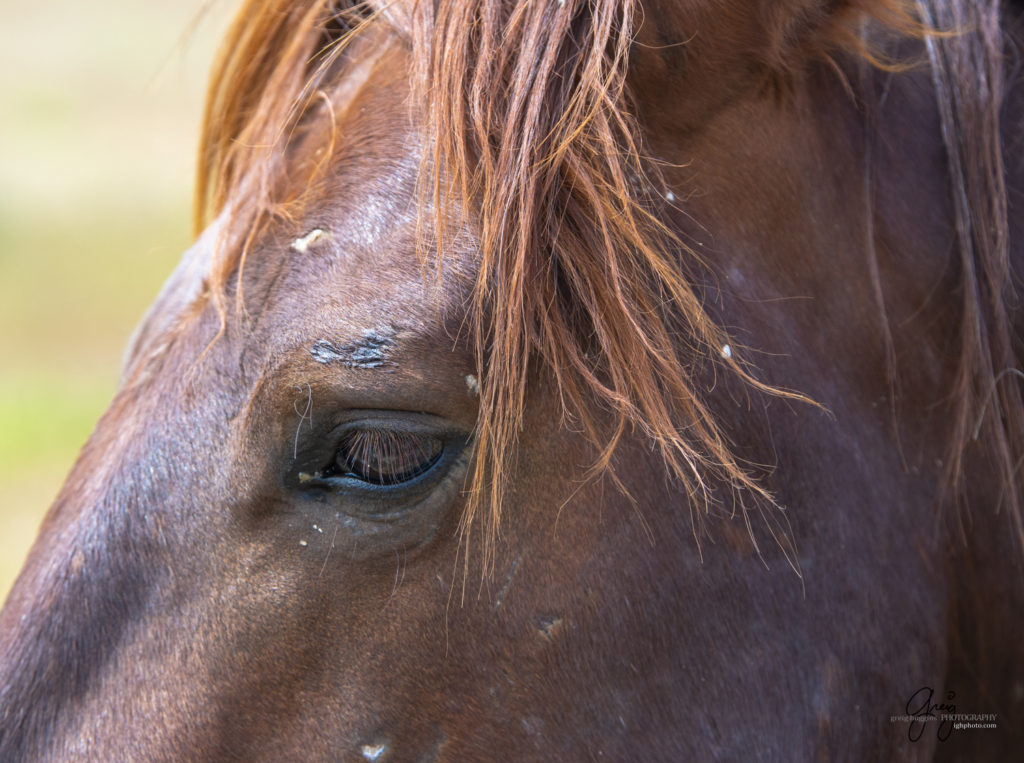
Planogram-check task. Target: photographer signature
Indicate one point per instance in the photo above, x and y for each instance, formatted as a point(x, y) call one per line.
point(920, 706)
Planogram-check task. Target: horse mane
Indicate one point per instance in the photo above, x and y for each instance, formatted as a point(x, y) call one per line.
point(968, 71)
point(530, 126)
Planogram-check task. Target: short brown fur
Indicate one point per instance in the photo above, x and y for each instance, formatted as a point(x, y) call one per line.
point(577, 269)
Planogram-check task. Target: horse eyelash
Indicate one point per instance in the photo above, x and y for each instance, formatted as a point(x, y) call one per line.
point(386, 456)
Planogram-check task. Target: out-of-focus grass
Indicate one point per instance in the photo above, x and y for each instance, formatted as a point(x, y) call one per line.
point(99, 111)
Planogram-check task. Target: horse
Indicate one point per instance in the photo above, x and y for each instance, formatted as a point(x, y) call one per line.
point(563, 380)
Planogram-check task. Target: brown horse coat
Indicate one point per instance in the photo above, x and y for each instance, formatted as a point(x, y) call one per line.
point(563, 381)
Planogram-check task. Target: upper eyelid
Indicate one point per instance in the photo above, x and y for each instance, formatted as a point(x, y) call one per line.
point(377, 437)
point(413, 422)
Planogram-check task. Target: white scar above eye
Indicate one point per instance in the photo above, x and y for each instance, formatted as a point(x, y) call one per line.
point(472, 385)
point(310, 240)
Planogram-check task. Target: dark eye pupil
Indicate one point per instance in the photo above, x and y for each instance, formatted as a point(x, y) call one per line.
point(385, 457)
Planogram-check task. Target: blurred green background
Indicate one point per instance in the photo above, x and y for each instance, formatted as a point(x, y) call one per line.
point(99, 114)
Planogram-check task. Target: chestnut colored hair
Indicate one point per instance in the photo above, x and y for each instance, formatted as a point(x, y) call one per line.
point(528, 120)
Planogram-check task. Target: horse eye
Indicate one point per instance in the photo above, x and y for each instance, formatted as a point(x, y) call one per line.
point(384, 456)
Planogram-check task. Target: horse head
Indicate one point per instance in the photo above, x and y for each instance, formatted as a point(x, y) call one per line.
point(550, 379)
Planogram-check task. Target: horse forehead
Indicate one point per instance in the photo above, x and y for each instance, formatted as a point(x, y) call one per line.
point(362, 242)
point(344, 279)
point(354, 261)
point(363, 256)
